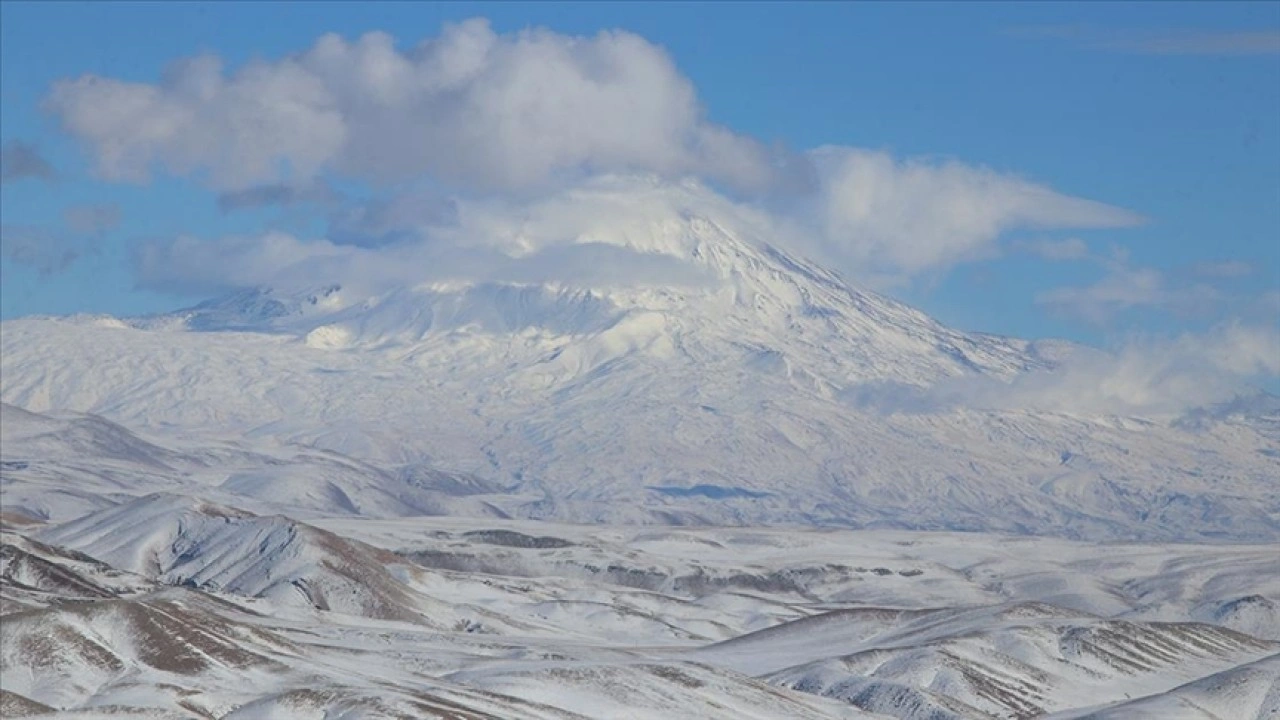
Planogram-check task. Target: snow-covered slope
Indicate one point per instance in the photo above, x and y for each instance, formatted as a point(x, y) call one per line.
point(35, 575)
point(59, 468)
point(739, 385)
point(193, 543)
point(1028, 660)
point(1247, 691)
point(523, 619)
point(62, 655)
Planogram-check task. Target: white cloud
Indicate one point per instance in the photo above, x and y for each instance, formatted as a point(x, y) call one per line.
point(1145, 377)
point(404, 216)
point(593, 235)
point(471, 107)
point(1243, 350)
point(885, 243)
point(646, 214)
point(524, 120)
point(199, 267)
point(188, 265)
point(883, 215)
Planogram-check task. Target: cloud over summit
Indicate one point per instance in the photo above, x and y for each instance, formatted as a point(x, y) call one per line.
point(522, 117)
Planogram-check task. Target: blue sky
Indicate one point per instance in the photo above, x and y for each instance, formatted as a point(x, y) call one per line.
point(1167, 111)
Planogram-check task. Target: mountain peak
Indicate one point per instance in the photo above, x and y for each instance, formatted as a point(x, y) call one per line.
point(698, 277)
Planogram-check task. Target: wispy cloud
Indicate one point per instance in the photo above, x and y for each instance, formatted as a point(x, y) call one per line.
point(1224, 269)
point(20, 160)
point(51, 249)
point(401, 217)
point(1198, 290)
point(1121, 288)
point(278, 194)
point(1124, 286)
point(1270, 302)
point(48, 250)
point(1057, 250)
point(92, 219)
point(1160, 41)
point(1146, 375)
point(1266, 42)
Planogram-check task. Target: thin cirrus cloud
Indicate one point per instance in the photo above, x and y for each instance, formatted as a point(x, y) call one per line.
point(1265, 42)
point(1124, 286)
point(1199, 289)
point(1056, 250)
point(524, 116)
point(1224, 269)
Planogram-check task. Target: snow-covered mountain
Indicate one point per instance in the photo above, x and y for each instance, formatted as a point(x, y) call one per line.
point(735, 383)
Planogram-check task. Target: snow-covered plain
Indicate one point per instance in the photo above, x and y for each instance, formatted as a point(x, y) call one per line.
point(751, 493)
